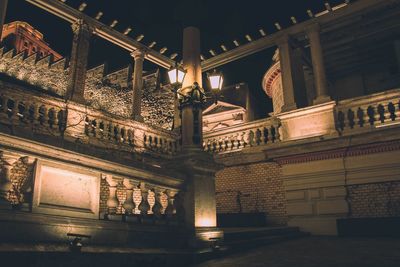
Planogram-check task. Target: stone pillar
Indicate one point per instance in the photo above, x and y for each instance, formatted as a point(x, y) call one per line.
point(318, 65)
point(300, 90)
point(78, 65)
point(191, 114)
point(199, 204)
point(3, 11)
point(285, 55)
point(137, 86)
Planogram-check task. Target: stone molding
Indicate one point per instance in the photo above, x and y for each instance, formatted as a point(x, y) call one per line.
point(341, 152)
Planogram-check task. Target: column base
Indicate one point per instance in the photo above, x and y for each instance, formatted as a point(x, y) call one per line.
point(206, 237)
point(322, 99)
point(288, 107)
point(138, 118)
point(78, 99)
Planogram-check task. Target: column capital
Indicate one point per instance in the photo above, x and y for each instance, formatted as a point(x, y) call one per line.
point(138, 54)
point(9, 158)
point(81, 27)
point(282, 39)
point(315, 27)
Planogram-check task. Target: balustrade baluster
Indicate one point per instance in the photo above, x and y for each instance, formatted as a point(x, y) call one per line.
point(350, 118)
point(21, 112)
point(266, 134)
point(144, 205)
point(151, 199)
point(31, 113)
point(170, 210)
point(109, 131)
point(392, 111)
point(157, 207)
point(61, 121)
point(112, 202)
point(93, 128)
point(371, 115)
point(360, 116)
point(51, 117)
point(116, 134)
point(3, 108)
point(137, 198)
point(158, 143)
point(130, 137)
point(129, 205)
point(123, 135)
point(263, 139)
point(381, 112)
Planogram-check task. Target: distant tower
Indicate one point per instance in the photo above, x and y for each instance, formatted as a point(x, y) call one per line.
point(23, 37)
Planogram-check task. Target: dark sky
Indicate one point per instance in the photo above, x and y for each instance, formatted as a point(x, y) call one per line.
point(220, 22)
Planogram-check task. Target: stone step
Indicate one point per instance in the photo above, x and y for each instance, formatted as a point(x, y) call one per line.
point(240, 239)
point(263, 240)
point(244, 233)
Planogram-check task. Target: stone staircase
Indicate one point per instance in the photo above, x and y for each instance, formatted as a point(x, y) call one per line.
point(249, 237)
point(239, 239)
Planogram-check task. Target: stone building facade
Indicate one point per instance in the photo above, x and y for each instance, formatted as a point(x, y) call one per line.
point(92, 169)
point(25, 39)
point(109, 92)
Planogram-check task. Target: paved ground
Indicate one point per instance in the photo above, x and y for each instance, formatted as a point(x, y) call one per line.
point(318, 251)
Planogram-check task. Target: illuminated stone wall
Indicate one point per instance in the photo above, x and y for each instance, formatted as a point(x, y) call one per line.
point(257, 187)
point(111, 92)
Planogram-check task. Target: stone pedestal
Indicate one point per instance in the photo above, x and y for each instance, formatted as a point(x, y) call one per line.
point(199, 202)
point(314, 121)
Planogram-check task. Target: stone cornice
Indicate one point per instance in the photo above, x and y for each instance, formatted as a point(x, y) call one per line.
point(43, 151)
point(341, 152)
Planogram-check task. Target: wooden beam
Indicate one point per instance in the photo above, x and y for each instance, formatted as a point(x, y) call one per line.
point(104, 31)
point(270, 40)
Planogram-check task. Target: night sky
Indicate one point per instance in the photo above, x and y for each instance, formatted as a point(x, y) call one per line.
point(220, 22)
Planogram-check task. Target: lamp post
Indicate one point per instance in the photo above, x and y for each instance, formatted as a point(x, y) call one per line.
point(216, 80)
point(176, 76)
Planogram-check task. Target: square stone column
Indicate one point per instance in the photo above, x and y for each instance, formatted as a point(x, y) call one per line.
point(286, 61)
point(137, 86)
point(199, 197)
point(78, 65)
point(313, 33)
point(3, 11)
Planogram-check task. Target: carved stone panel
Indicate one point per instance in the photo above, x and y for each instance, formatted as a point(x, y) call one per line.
point(66, 190)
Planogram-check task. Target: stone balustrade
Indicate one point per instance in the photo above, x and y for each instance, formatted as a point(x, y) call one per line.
point(367, 113)
point(351, 116)
point(32, 113)
point(87, 193)
point(237, 137)
point(137, 201)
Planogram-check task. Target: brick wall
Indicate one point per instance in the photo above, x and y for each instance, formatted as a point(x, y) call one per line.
point(375, 200)
point(252, 188)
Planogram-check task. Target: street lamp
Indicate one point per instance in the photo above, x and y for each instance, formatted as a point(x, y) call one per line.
point(216, 80)
point(176, 76)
